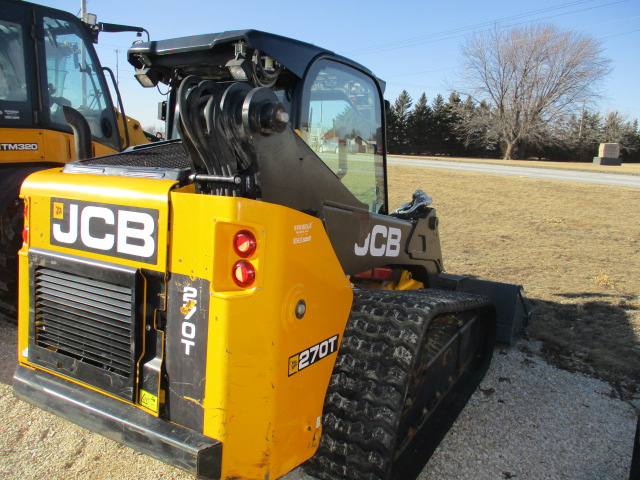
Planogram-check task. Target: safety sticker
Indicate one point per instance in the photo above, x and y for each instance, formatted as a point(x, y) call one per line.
point(149, 400)
point(313, 354)
point(302, 233)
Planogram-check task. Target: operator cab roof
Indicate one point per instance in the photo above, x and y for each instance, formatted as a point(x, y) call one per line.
point(207, 55)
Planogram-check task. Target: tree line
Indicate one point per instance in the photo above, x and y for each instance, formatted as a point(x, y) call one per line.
point(442, 128)
point(527, 94)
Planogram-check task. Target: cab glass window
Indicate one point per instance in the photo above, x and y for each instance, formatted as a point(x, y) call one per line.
point(13, 86)
point(342, 122)
point(74, 79)
point(15, 106)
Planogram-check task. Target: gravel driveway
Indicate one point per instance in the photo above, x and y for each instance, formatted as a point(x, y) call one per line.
point(528, 420)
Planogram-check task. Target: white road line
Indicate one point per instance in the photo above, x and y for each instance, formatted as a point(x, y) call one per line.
point(632, 181)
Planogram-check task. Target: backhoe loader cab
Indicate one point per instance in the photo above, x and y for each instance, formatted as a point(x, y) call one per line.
point(237, 301)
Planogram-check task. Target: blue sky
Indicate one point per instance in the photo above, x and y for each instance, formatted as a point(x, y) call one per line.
point(412, 45)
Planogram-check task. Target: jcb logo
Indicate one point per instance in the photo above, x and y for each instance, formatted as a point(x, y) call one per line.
point(381, 242)
point(116, 230)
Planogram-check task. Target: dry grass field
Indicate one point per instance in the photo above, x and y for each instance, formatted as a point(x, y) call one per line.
point(575, 248)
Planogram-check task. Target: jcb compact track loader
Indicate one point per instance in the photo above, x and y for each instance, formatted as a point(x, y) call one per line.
point(49, 73)
point(238, 301)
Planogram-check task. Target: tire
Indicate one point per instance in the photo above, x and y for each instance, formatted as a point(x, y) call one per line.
point(376, 414)
point(11, 224)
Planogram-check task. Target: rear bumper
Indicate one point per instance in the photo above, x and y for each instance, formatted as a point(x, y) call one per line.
point(119, 421)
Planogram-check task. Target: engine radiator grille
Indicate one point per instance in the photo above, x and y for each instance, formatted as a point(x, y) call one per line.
point(82, 327)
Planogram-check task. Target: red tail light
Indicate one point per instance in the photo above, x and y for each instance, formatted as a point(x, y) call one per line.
point(243, 273)
point(244, 244)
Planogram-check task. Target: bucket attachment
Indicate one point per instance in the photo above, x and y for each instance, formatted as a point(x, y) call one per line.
point(513, 314)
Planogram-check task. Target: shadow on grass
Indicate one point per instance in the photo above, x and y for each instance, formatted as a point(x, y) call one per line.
point(596, 337)
point(628, 298)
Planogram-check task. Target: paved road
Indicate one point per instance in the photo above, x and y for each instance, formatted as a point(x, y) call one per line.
point(632, 181)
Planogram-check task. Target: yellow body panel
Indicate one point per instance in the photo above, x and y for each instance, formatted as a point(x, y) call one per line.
point(40, 188)
point(268, 420)
point(136, 134)
point(50, 146)
point(262, 400)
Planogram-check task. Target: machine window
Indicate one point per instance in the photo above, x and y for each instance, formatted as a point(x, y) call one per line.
point(342, 123)
point(73, 80)
point(13, 85)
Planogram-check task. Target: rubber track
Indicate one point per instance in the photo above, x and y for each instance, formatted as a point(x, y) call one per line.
point(10, 243)
point(366, 394)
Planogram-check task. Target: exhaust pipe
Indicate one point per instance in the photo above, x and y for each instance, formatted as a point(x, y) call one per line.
point(81, 132)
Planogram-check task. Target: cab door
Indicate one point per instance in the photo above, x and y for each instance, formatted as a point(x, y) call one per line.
point(341, 119)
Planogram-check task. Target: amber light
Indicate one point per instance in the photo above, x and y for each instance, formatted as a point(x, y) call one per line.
point(25, 229)
point(245, 244)
point(243, 273)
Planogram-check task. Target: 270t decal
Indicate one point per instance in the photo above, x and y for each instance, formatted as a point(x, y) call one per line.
point(311, 355)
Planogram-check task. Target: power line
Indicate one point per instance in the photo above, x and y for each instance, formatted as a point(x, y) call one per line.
point(463, 31)
point(453, 68)
point(619, 34)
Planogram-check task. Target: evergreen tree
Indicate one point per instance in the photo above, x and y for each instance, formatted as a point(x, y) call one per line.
point(401, 109)
point(617, 129)
point(392, 129)
point(440, 128)
point(420, 126)
point(454, 141)
point(632, 143)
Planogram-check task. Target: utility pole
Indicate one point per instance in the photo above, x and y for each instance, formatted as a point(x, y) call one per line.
point(581, 120)
point(83, 53)
point(117, 71)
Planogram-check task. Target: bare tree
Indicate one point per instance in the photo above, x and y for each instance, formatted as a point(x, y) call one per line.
point(530, 77)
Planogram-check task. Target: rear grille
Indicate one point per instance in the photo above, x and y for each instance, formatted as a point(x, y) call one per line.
point(158, 155)
point(84, 321)
point(167, 160)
